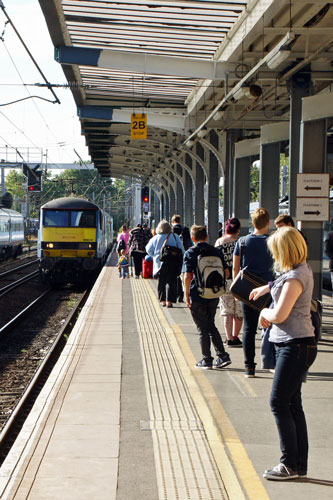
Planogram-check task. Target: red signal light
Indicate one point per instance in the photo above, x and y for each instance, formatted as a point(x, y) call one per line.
point(146, 199)
point(31, 188)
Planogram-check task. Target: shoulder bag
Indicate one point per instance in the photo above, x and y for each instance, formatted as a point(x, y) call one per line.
point(172, 256)
point(245, 282)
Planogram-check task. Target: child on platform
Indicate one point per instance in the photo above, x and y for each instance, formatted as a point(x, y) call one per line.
point(123, 264)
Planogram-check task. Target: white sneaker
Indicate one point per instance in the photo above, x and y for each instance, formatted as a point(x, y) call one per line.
point(280, 473)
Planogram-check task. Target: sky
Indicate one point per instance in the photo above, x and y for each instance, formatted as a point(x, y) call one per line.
point(40, 130)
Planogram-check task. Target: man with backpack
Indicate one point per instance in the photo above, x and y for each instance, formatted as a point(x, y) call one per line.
point(205, 274)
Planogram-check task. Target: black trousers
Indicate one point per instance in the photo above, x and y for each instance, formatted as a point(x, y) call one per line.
point(167, 284)
point(180, 291)
point(251, 317)
point(203, 315)
point(137, 260)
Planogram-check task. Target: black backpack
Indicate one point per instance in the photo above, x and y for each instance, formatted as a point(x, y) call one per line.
point(121, 245)
point(209, 274)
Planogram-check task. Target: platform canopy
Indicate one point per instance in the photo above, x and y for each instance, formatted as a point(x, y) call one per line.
point(188, 65)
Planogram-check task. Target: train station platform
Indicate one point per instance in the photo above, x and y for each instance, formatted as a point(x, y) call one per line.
point(125, 415)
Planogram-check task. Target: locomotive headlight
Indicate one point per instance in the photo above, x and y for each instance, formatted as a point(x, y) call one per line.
point(89, 246)
point(50, 245)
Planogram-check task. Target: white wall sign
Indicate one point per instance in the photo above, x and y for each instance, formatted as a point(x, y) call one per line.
point(313, 209)
point(313, 185)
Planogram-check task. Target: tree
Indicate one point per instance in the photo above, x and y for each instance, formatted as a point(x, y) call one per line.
point(254, 182)
point(15, 185)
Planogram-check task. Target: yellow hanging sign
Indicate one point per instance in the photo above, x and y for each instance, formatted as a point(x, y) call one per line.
point(138, 126)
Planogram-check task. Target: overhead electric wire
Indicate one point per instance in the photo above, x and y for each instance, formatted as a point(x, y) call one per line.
point(24, 99)
point(29, 53)
point(38, 110)
point(25, 85)
point(21, 131)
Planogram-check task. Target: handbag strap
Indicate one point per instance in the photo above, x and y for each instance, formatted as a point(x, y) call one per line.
point(241, 249)
point(164, 242)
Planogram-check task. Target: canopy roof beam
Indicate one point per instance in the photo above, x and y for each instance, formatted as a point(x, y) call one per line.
point(144, 62)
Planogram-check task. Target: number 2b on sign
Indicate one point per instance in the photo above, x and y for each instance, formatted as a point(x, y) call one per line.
point(139, 126)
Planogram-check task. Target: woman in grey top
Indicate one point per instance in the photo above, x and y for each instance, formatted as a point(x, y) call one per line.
point(292, 333)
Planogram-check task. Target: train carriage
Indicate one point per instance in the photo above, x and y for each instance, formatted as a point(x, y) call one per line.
point(11, 233)
point(74, 239)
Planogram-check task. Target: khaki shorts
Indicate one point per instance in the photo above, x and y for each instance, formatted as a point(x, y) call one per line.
point(228, 304)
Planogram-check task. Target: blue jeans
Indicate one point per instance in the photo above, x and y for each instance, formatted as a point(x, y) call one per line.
point(292, 362)
point(250, 325)
point(124, 271)
point(203, 315)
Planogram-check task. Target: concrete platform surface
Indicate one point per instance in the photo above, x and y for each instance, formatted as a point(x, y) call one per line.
point(125, 415)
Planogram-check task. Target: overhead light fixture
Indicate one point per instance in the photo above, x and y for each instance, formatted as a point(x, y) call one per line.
point(253, 91)
point(250, 91)
point(239, 94)
point(218, 115)
point(203, 132)
point(278, 58)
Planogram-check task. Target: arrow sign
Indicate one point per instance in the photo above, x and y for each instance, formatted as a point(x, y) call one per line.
point(312, 209)
point(313, 185)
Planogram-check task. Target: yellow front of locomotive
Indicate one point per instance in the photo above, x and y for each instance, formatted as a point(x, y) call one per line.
point(68, 241)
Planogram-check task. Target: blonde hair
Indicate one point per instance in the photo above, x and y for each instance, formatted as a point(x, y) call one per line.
point(260, 218)
point(288, 248)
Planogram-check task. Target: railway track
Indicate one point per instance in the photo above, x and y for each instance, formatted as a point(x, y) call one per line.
point(5, 289)
point(19, 286)
point(8, 264)
point(28, 353)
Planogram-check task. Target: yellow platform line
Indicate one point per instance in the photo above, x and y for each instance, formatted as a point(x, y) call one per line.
point(209, 408)
point(246, 386)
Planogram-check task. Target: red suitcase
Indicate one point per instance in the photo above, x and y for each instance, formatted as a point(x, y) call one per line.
point(147, 268)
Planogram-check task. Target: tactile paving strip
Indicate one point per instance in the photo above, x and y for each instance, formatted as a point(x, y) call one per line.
point(185, 466)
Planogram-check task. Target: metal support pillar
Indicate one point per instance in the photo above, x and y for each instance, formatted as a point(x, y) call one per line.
point(297, 92)
point(233, 136)
point(167, 205)
point(269, 181)
point(199, 213)
point(241, 195)
point(213, 199)
point(179, 200)
point(213, 191)
point(3, 188)
point(188, 212)
point(136, 204)
point(314, 160)
point(172, 199)
point(163, 205)
point(157, 209)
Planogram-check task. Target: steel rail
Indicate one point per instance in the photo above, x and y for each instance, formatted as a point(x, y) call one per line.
point(20, 315)
point(10, 271)
point(17, 283)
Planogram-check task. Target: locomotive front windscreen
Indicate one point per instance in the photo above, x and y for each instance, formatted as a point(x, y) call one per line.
point(69, 218)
